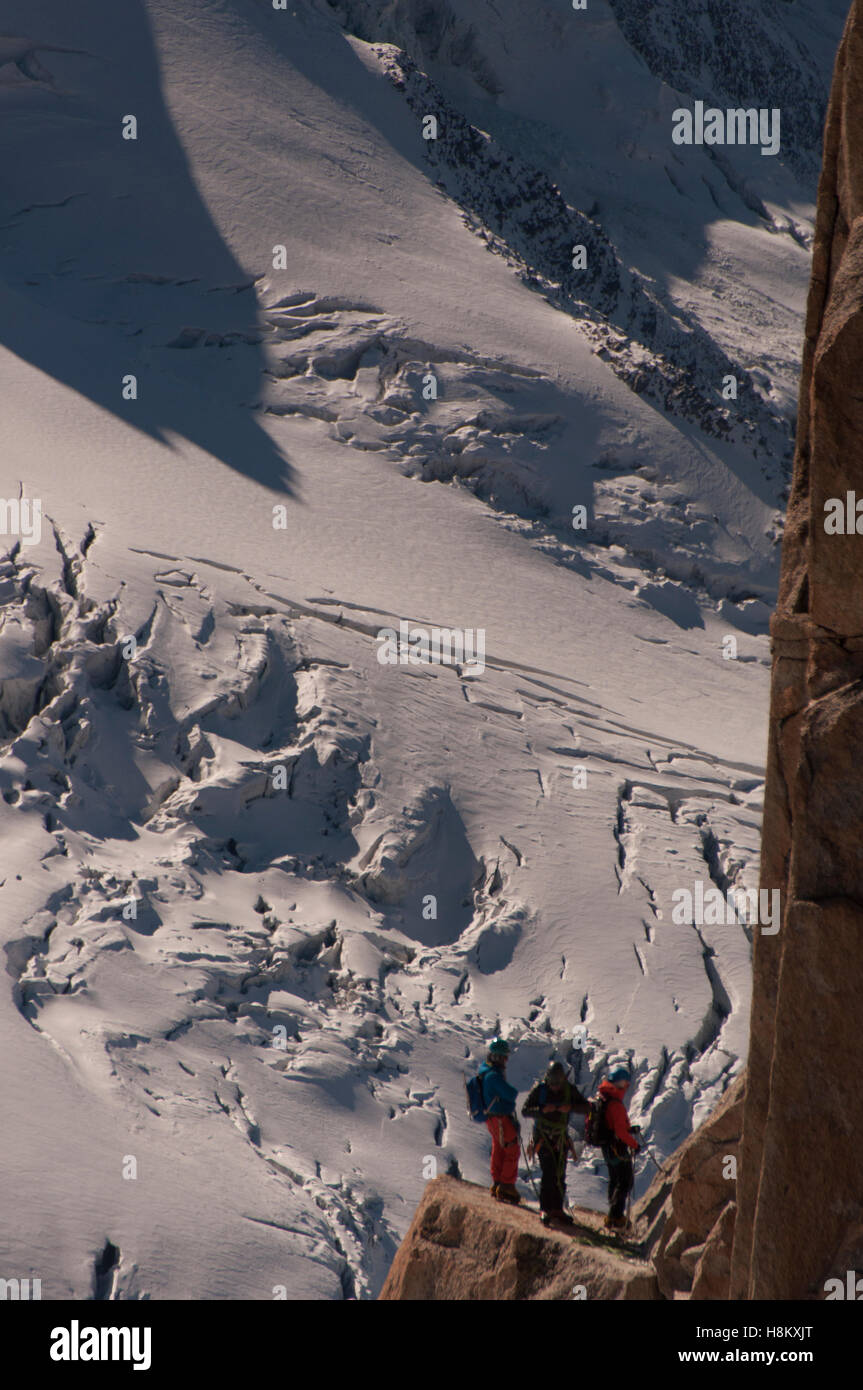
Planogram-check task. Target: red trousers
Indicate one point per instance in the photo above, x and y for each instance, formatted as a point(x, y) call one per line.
point(504, 1148)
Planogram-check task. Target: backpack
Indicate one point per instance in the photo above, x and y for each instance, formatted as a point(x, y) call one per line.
point(597, 1130)
point(475, 1099)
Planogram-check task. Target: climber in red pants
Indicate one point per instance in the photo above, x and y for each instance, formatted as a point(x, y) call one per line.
point(501, 1122)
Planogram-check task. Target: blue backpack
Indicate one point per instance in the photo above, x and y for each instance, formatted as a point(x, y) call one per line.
point(475, 1099)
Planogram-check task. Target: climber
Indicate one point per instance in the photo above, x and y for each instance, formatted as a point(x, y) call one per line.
point(550, 1104)
point(501, 1122)
point(619, 1146)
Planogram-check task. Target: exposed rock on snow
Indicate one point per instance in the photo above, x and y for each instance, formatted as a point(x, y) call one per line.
point(522, 215)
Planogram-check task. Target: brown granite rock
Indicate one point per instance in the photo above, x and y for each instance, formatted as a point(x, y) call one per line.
point(680, 1217)
point(799, 1192)
point(463, 1245)
point(706, 1173)
point(712, 1275)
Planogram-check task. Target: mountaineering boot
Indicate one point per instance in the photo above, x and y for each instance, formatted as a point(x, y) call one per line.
point(494, 1191)
point(557, 1218)
point(507, 1192)
point(616, 1223)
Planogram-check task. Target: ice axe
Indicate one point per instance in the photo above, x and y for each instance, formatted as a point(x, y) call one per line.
point(658, 1166)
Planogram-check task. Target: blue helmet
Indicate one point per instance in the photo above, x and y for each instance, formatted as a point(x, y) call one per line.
point(620, 1073)
point(498, 1047)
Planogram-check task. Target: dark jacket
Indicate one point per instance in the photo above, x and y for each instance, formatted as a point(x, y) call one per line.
point(554, 1125)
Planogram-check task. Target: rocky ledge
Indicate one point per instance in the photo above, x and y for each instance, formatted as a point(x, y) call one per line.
point(463, 1245)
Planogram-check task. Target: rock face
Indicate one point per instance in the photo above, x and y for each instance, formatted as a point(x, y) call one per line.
point(799, 1197)
point(462, 1245)
point(686, 1218)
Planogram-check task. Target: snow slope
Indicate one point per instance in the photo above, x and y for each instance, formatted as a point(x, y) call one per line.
point(220, 838)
